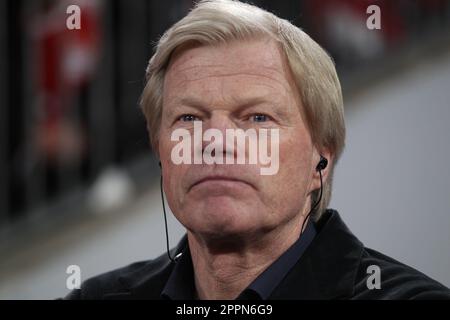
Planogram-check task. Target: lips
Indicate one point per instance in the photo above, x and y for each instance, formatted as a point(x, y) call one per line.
point(219, 178)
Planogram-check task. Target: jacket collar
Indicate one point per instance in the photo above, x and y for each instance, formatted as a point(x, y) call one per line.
point(148, 281)
point(327, 269)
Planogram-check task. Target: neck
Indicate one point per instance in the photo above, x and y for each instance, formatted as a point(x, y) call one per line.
point(223, 269)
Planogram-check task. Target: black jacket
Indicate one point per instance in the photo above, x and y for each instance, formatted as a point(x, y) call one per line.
point(334, 266)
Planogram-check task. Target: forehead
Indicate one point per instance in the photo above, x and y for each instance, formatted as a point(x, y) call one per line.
point(262, 58)
point(257, 52)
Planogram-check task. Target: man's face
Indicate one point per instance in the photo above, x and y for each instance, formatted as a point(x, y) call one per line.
point(242, 85)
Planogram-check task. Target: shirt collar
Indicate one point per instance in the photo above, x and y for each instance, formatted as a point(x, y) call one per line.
point(181, 285)
point(267, 281)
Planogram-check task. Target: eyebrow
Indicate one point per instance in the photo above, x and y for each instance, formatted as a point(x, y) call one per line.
point(243, 104)
point(192, 102)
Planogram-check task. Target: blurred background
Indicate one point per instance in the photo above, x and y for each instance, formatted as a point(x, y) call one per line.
point(79, 183)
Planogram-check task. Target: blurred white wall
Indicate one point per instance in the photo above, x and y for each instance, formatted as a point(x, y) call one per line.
point(392, 184)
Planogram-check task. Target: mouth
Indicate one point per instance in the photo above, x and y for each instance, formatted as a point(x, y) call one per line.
point(223, 180)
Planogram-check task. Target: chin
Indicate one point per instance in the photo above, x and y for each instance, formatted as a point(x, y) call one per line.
point(222, 221)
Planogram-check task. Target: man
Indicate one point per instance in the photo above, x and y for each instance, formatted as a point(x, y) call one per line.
point(230, 68)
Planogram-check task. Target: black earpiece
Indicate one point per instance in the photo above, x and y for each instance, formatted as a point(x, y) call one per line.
point(159, 164)
point(322, 163)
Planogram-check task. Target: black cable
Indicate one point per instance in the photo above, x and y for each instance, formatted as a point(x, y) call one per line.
point(315, 205)
point(165, 220)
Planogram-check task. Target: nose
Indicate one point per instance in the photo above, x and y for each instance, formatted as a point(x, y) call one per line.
point(220, 121)
point(215, 131)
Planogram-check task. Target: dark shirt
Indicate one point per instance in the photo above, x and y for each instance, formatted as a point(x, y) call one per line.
point(181, 286)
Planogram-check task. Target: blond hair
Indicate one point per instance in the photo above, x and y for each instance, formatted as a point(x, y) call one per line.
point(214, 22)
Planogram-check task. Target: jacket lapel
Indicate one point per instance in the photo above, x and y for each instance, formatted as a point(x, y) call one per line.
point(149, 281)
point(328, 267)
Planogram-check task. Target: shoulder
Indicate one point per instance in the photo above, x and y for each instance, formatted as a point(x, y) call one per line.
point(123, 283)
point(382, 277)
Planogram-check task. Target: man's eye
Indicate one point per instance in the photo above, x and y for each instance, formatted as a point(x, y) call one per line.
point(188, 117)
point(259, 117)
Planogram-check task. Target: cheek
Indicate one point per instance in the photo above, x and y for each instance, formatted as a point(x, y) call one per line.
point(165, 152)
point(164, 142)
point(295, 155)
point(173, 187)
point(172, 174)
